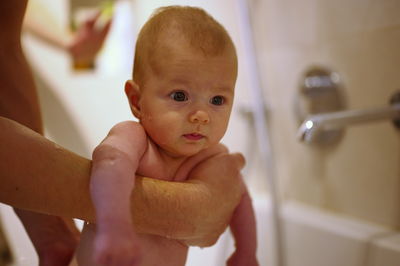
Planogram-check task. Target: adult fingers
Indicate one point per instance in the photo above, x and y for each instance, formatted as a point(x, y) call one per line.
point(239, 159)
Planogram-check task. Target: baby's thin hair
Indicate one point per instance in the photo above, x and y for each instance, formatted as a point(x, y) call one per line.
point(201, 31)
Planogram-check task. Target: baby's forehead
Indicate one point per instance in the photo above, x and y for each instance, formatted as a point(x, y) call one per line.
point(177, 63)
point(207, 42)
point(171, 46)
point(185, 53)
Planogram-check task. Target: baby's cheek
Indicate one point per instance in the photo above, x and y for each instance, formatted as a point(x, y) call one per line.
point(164, 138)
point(164, 133)
point(166, 125)
point(223, 125)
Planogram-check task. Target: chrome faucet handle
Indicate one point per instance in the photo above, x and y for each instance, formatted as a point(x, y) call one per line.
point(320, 91)
point(321, 108)
point(312, 127)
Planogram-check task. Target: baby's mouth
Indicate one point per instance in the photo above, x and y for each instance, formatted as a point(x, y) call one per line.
point(193, 136)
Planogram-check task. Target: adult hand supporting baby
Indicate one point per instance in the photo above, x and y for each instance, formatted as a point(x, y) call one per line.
point(222, 194)
point(38, 175)
point(203, 205)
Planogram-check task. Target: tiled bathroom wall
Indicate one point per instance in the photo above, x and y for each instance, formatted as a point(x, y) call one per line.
point(359, 40)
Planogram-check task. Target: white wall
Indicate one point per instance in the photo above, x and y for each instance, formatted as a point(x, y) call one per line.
point(359, 40)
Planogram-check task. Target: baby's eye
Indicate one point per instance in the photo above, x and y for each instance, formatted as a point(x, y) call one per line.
point(178, 96)
point(217, 100)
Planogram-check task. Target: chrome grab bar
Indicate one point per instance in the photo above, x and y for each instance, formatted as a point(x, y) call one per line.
point(316, 124)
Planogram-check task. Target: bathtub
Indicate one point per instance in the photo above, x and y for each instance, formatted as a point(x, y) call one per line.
point(312, 238)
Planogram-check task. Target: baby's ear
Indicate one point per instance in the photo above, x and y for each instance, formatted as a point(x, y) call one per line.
point(132, 91)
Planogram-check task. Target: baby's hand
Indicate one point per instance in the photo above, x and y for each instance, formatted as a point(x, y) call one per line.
point(117, 246)
point(240, 258)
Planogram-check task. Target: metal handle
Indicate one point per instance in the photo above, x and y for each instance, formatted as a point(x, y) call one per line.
point(320, 92)
point(315, 124)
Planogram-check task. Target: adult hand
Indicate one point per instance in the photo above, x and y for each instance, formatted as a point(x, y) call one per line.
point(219, 178)
point(88, 40)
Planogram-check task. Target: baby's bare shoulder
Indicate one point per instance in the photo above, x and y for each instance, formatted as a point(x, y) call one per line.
point(127, 136)
point(127, 127)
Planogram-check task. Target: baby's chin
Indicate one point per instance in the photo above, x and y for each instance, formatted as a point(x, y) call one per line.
point(184, 152)
point(181, 154)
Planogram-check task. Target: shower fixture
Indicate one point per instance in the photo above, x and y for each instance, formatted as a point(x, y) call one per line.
point(320, 92)
point(321, 109)
point(315, 125)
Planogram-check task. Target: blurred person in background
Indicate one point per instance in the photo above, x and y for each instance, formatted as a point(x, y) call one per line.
point(54, 238)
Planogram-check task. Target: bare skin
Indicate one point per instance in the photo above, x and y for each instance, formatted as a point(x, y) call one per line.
point(159, 207)
point(82, 45)
point(37, 175)
point(18, 101)
point(183, 108)
point(55, 238)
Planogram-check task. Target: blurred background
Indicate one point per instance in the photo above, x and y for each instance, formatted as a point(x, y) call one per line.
point(316, 97)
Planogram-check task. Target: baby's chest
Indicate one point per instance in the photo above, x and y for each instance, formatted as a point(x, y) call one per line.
point(152, 165)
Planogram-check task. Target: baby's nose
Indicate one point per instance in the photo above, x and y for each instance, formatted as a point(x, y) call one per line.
point(200, 116)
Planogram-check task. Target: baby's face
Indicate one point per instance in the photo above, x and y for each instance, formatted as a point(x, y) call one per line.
point(186, 100)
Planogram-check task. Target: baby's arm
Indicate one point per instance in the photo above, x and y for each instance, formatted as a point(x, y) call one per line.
point(243, 227)
point(115, 162)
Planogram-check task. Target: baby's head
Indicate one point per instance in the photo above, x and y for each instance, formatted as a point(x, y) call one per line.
point(183, 80)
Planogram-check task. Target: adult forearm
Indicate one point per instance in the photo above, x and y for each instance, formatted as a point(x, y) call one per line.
point(41, 22)
point(38, 175)
point(49, 36)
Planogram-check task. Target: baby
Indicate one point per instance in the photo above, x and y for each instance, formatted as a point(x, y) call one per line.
point(182, 93)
